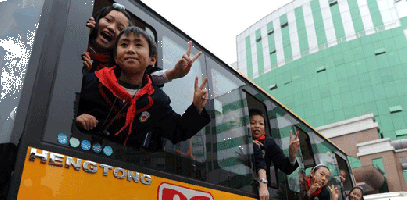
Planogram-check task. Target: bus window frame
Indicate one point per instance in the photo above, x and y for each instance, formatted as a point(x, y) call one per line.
point(272, 179)
point(308, 147)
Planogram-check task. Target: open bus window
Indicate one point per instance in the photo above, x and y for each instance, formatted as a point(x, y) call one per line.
point(306, 149)
point(255, 104)
point(297, 180)
point(344, 175)
point(19, 21)
point(185, 158)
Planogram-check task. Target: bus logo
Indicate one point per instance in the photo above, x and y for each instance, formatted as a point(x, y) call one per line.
point(168, 191)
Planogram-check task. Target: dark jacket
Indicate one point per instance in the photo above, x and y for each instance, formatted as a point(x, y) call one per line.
point(147, 130)
point(324, 195)
point(272, 153)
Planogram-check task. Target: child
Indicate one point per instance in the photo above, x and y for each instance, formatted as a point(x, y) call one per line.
point(266, 151)
point(356, 193)
point(105, 26)
point(121, 102)
point(317, 184)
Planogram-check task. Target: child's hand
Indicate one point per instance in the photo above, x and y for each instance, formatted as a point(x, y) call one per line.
point(334, 192)
point(200, 95)
point(183, 66)
point(87, 63)
point(263, 192)
point(294, 144)
point(86, 121)
point(91, 23)
point(314, 187)
point(258, 143)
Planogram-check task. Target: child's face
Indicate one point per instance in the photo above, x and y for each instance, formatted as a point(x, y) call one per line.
point(257, 125)
point(356, 194)
point(109, 27)
point(133, 53)
point(343, 176)
point(321, 176)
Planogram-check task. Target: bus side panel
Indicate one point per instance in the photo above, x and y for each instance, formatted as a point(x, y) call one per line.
point(45, 181)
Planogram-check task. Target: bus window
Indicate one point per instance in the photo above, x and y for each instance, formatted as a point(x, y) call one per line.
point(185, 158)
point(296, 181)
point(192, 151)
point(19, 21)
point(344, 175)
point(233, 166)
point(326, 155)
point(254, 103)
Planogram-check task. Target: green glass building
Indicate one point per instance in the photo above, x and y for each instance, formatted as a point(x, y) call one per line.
point(331, 60)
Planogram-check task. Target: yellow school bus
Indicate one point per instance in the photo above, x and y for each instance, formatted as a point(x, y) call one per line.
point(45, 156)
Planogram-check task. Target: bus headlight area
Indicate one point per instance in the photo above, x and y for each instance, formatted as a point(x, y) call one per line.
point(56, 159)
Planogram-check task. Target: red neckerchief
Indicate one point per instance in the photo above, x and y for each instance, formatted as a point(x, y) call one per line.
point(107, 77)
point(309, 186)
point(261, 138)
point(104, 60)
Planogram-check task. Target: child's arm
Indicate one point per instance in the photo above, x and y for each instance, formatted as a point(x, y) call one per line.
point(180, 69)
point(177, 127)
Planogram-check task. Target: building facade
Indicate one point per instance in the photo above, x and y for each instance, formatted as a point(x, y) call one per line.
point(336, 60)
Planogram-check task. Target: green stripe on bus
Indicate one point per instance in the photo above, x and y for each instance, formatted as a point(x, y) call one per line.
point(301, 29)
point(277, 112)
point(234, 106)
point(286, 38)
point(242, 121)
point(318, 22)
point(260, 59)
point(323, 147)
point(249, 62)
point(231, 143)
point(375, 13)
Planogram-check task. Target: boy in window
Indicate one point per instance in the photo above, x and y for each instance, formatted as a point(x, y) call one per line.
point(266, 150)
point(122, 103)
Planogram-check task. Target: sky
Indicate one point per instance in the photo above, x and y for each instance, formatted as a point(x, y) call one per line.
point(214, 24)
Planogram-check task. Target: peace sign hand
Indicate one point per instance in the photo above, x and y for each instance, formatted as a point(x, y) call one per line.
point(294, 144)
point(334, 192)
point(200, 95)
point(183, 65)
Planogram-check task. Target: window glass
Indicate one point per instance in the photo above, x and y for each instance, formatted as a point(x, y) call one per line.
point(19, 21)
point(233, 146)
point(192, 150)
point(172, 52)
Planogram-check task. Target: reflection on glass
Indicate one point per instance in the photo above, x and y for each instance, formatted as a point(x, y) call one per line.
point(19, 22)
point(232, 142)
point(193, 149)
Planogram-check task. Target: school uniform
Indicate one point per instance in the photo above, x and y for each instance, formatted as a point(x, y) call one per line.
point(271, 152)
point(324, 194)
point(140, 120)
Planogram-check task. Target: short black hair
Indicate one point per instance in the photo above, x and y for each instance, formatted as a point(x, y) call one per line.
point(102, 13)
point(152, 46)
point(253, 112)
point(359, 188)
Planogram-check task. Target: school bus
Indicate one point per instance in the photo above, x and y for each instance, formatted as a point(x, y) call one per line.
point(44, 156)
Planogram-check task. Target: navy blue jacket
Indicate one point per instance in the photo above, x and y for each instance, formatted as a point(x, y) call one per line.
point(161, 120)
point(272, 153)
point(324, 195)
